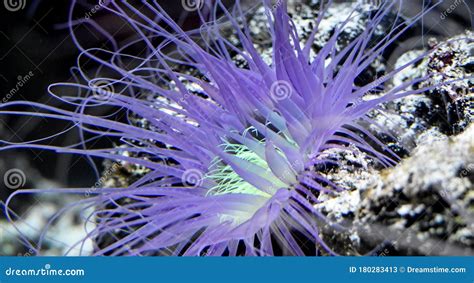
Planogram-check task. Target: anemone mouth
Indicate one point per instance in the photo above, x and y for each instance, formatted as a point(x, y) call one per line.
point(227, 180)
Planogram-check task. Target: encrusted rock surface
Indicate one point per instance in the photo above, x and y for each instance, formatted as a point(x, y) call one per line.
point(448, 109)
point(423, 206)
point(429, 196)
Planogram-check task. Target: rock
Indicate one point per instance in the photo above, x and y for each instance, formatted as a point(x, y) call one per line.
point(33, 211)
point(427, 198)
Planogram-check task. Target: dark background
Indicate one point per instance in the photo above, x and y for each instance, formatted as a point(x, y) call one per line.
point(34, 40)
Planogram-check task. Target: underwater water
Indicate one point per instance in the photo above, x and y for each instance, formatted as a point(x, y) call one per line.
point(237, 128)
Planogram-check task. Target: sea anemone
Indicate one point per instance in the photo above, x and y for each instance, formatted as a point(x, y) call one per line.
point(231, 152)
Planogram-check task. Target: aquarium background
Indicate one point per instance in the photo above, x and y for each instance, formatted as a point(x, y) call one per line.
point(36, 50)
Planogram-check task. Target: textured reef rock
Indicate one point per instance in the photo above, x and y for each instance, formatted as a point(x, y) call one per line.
point(424, 205)
point(428, 198)
point(447, 110)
